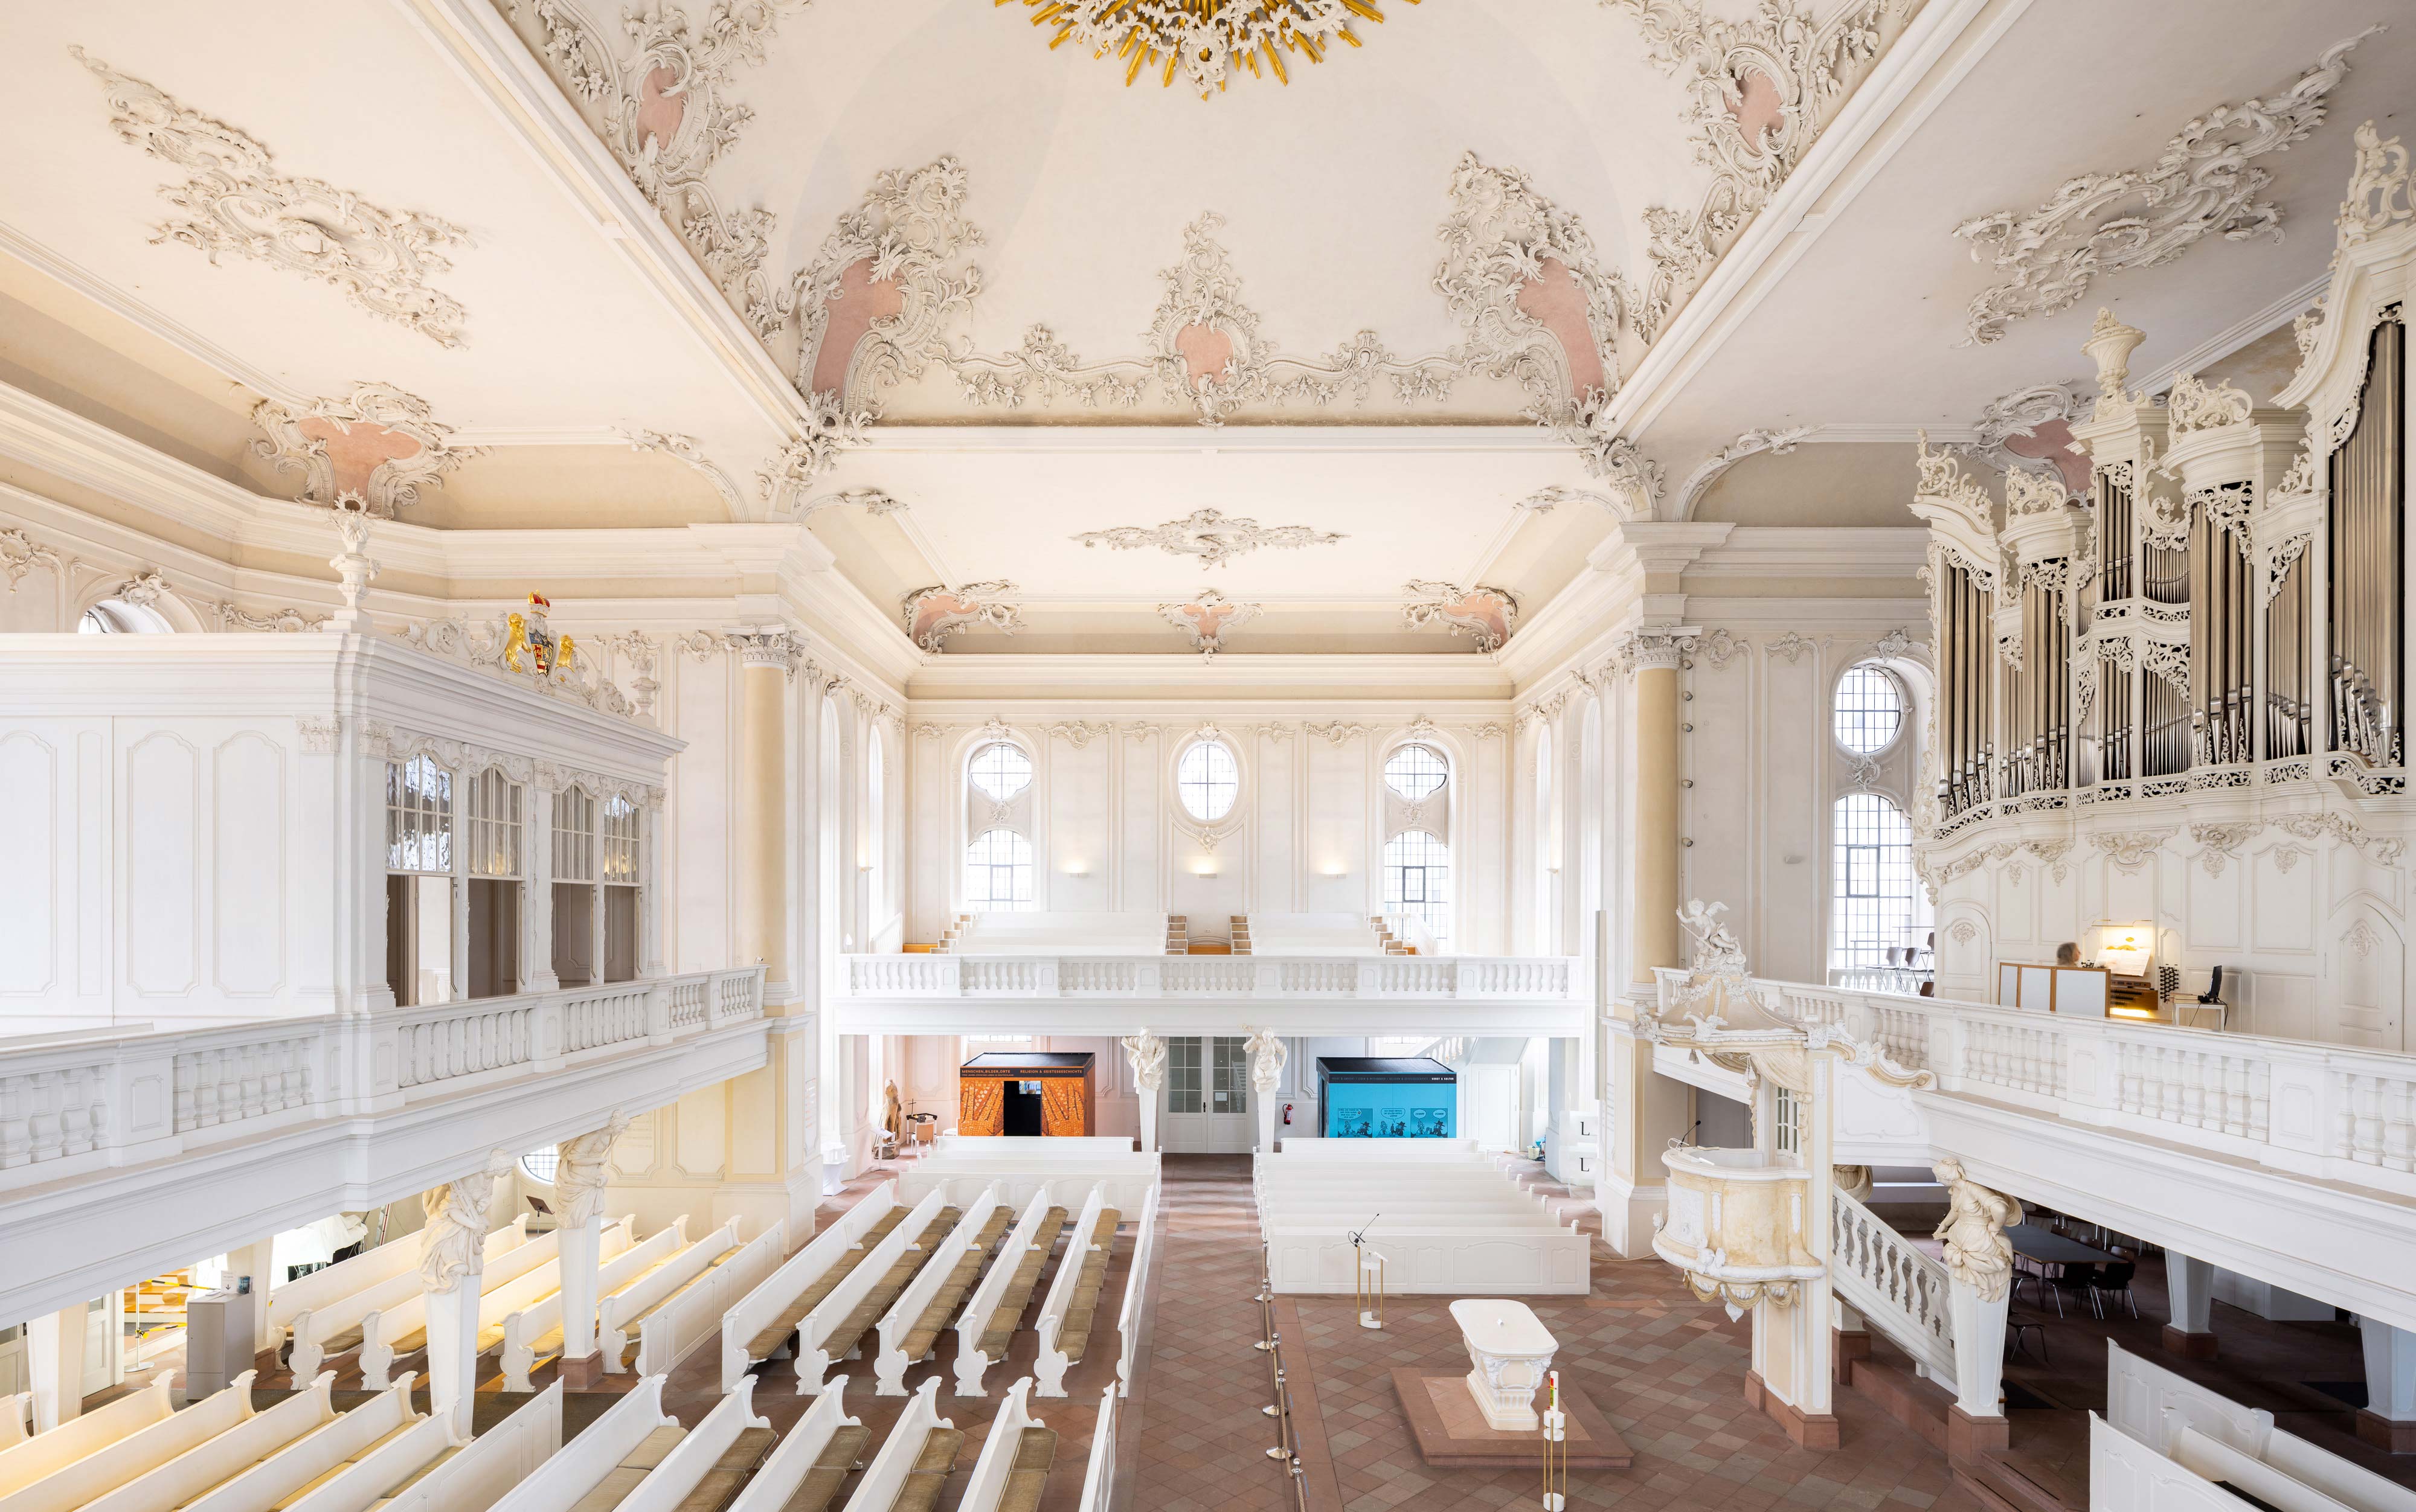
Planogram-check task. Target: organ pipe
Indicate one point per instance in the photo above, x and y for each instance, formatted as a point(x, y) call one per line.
point(2366, 612)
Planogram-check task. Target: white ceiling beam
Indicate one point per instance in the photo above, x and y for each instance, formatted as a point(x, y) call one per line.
point(475, 38)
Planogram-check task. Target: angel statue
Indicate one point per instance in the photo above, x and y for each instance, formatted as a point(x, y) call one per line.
point(452, 1243)
point(1977, 1252)
point(1147, 1054)
point(1718, 951)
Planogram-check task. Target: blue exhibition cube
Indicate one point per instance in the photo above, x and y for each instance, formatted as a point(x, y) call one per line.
point(1386, 1097)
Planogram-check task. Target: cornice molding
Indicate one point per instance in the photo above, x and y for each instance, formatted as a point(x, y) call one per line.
point(474, 37)
point(1921, 68)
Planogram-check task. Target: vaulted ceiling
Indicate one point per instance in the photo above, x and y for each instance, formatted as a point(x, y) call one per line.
point(1383, 350)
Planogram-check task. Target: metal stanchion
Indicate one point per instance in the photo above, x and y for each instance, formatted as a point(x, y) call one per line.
point(1556, 1448)
point(1369, 1295)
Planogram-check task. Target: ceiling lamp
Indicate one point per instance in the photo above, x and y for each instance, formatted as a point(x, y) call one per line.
point(1205, 38)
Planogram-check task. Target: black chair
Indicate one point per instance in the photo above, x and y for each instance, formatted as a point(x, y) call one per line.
point(2080, 1280)
point(2115, 1280)
point(2016, 1328)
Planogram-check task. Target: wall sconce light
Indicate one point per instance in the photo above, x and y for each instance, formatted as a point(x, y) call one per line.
point(1078, 869)
point(1204, 869)
point(1335, 871)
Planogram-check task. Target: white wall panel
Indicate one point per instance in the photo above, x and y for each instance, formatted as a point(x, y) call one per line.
point(159, 856)
point(248, 854)
point(35, 882)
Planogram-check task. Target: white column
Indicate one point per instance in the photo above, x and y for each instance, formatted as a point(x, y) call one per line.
point(2388, 1420)
point(1145, 1054)
point(2190, 1284)
point(54, 1366)
point(650, 888)
point(579, 1184)
point(537, 919)
point(1979, 1262)
point(452, 1265)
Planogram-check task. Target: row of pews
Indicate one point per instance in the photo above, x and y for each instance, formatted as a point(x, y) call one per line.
point(663, 1296)
point(886, 1279)
point(637, 1458)
point(900, 1277)
point(139, 1454)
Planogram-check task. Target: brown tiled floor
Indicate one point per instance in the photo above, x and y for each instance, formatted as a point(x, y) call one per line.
point(1668, 1372)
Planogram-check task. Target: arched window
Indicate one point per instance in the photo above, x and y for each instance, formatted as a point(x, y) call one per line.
point(1869, 710)
point(115, 617)
point(998, 872)
point(1207, 781)
point(1416, 772)
point(1000, 771)
point(1872, 890)
point(1417, 881)
point(542, 1164)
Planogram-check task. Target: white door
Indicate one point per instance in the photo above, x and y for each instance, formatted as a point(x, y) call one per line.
point(1207, 1095)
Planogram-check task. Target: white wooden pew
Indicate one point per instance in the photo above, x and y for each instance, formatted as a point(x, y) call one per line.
point(785, 1288)
point(1052, 1363)
point(632, 1428)
point(889, 1366)
point(619, 1315)
point(691, 1319)
point(72, 1464)
point(469, 1477)
point(223, 1456)
point(972, 1364)
point(815, 1329)
point(1006, 1457)
point(1099, 1475)
point(919, 1426)
point(530, 1330)
point(314, 1453)
point(35, 1456)
point(322, 1289)
point(821, 1448)
point(342, 1323)
point(1035, 1149)
point(401, 1328)
point(16, 1410)
point(961, 1177)
point(730, 1440)
point(1136, 1280)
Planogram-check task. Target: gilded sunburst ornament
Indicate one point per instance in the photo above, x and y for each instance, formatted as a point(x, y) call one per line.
point(1206, 41)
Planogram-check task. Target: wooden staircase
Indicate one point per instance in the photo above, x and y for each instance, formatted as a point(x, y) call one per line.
point(1393, 944)
point(1241, 934)
point(954, 932)
point(1178, 934)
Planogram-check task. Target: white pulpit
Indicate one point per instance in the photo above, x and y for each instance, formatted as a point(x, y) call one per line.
point(1512, 1352)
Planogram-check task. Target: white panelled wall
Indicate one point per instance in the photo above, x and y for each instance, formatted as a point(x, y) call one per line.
point(1305, 834)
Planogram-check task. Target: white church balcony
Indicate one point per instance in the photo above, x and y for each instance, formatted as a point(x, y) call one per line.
point(127, 1151)
point(2283, 1160)
point(1075, 993)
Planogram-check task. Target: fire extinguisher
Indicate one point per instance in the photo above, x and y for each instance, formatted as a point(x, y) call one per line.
point(1286, 1115)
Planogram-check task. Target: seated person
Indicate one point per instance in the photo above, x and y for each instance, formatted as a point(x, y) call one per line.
point(2067, 954)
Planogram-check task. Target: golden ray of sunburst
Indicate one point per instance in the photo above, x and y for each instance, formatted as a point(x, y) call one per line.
point(1202, 38)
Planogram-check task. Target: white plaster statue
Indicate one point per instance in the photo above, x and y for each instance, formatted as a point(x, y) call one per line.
point(1977, 1252)
point(1268, 1054)
point(453, 1243)
point(1718, 951)
point(1854, 1181)
point(1146, 1053)
point(579, 1180)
